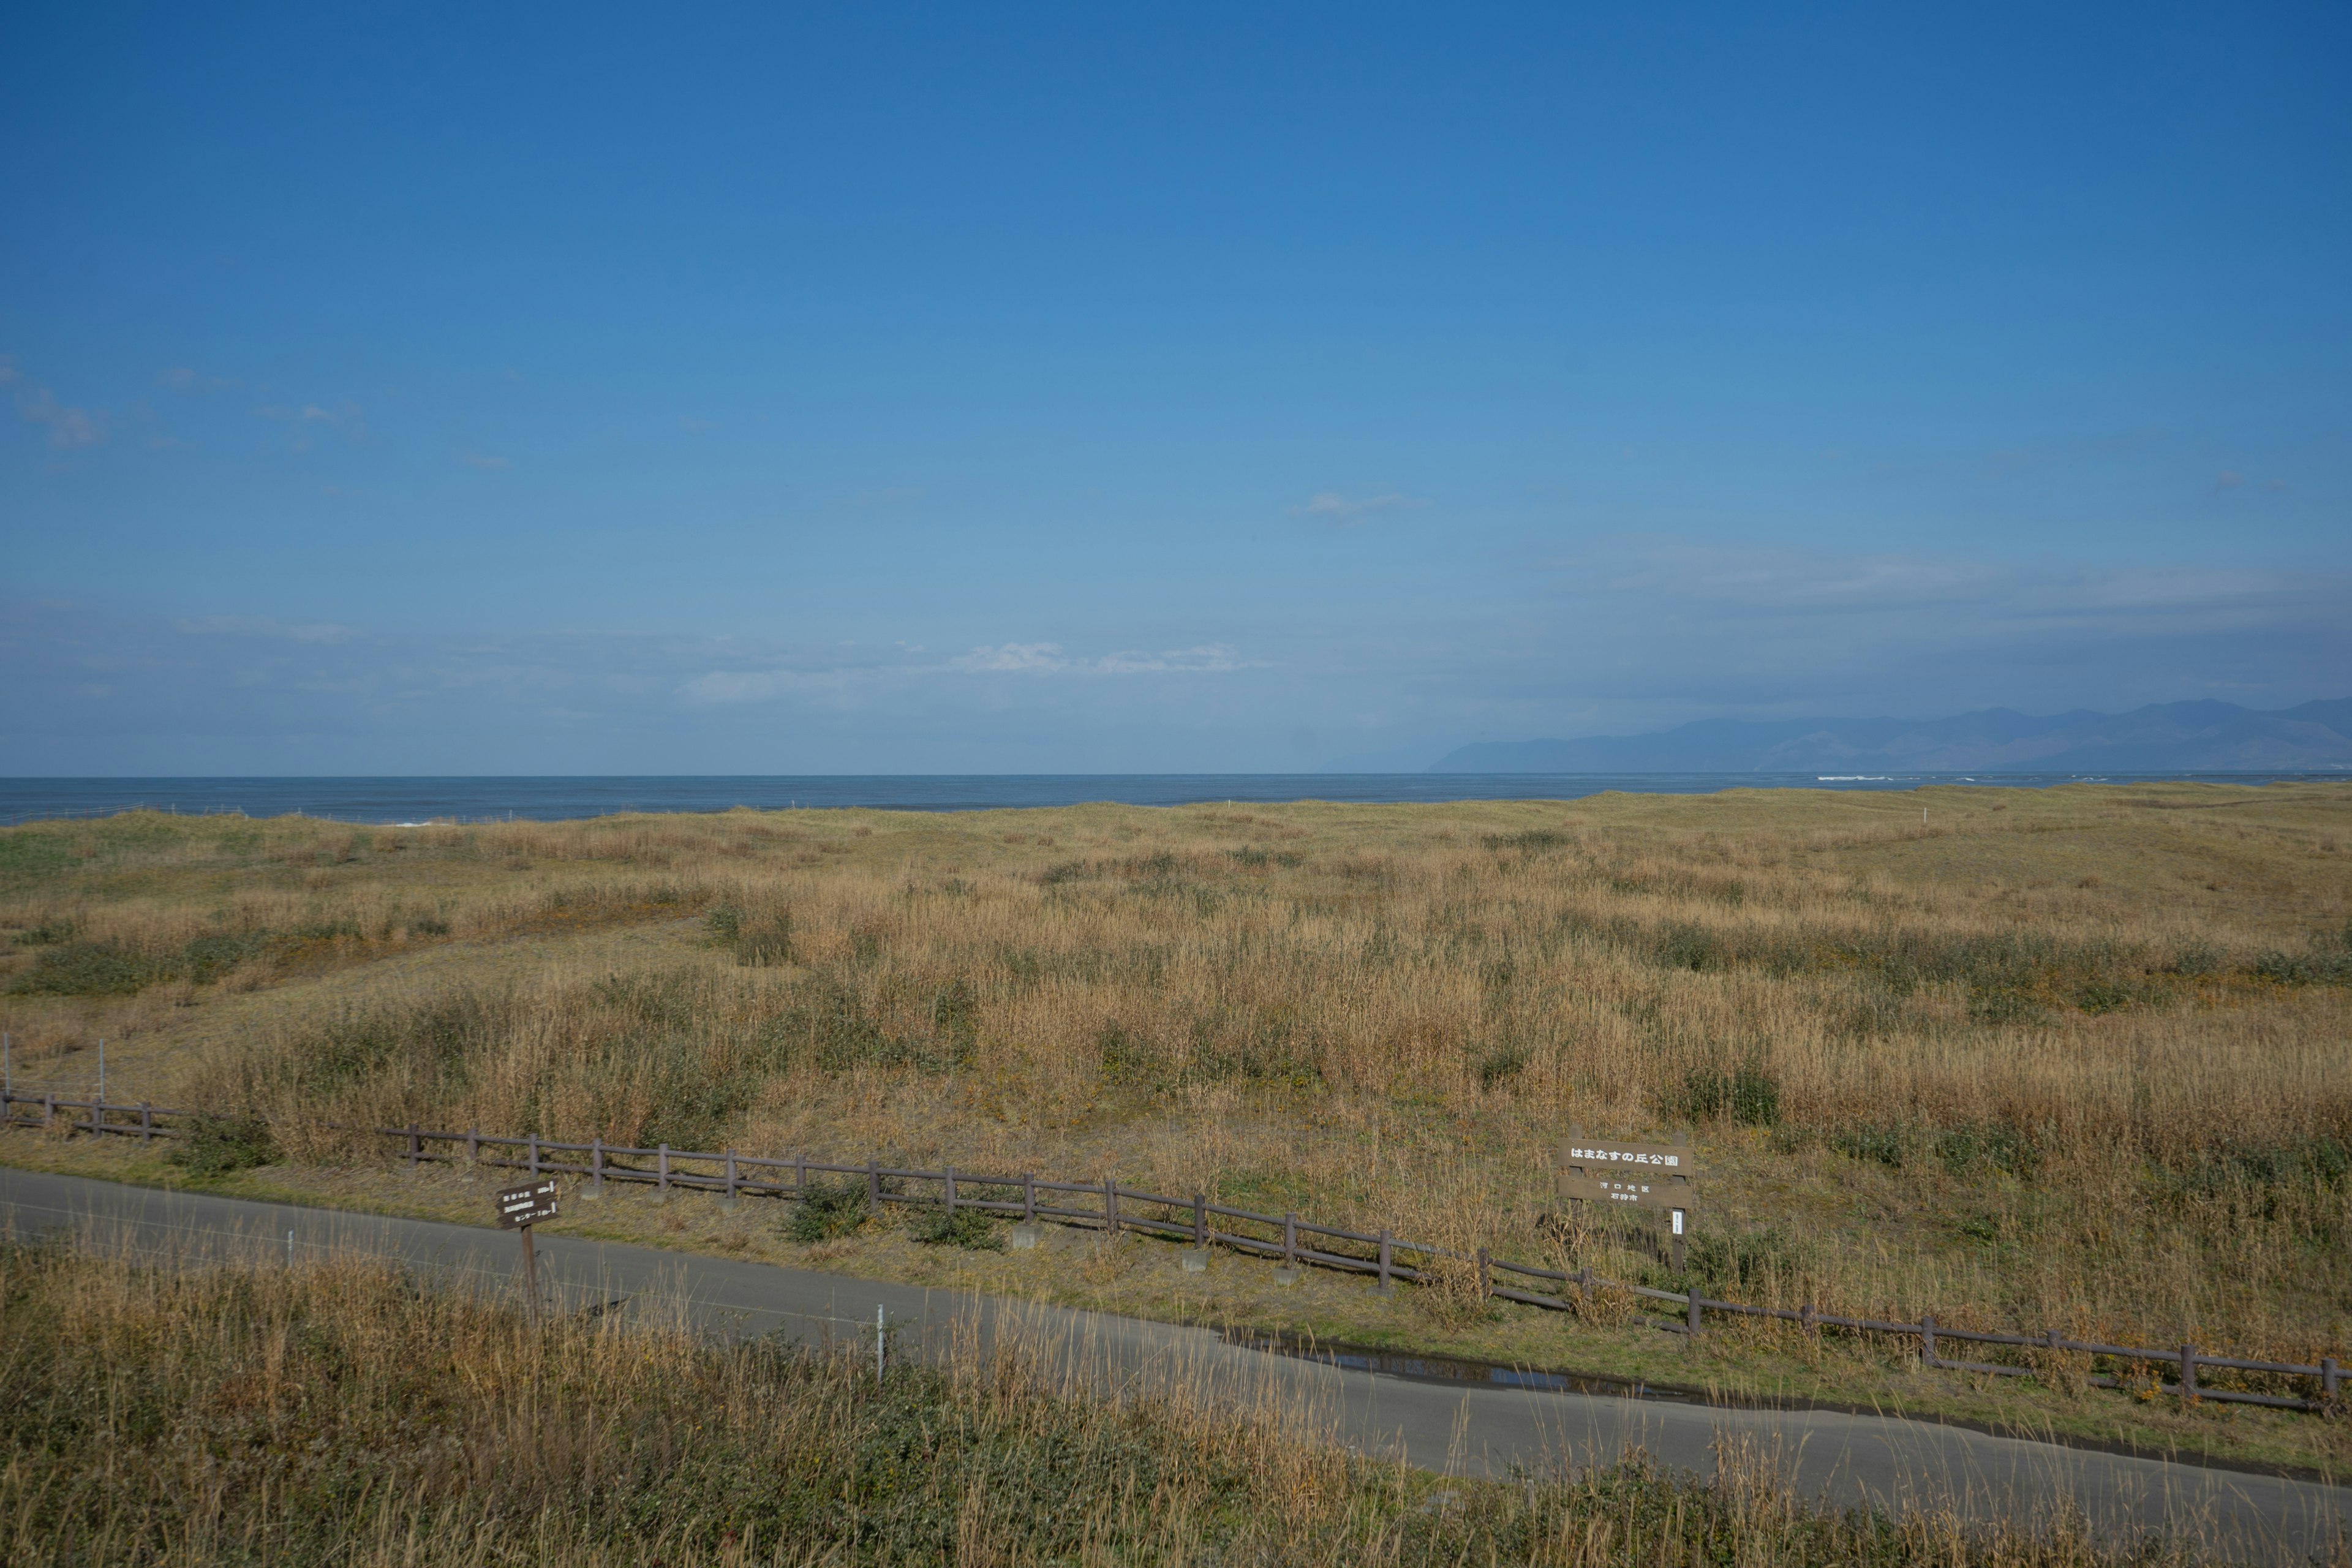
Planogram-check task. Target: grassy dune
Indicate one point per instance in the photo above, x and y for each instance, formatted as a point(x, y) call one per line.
point(335, 1412)
point(2074, 1059)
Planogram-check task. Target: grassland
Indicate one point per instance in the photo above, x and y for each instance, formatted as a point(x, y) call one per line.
point(337, 1412)
point(2074, 1059)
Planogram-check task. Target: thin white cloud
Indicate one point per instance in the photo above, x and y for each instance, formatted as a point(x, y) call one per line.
point(345, 417)
point(1330, 506)
point(1047, 658)
point(1013, 658)
point(69, 428)
point(181, 378)
point(1210, 659)
point(1039, 660)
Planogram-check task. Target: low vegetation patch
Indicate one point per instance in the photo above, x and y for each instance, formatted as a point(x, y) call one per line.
point(970, 1228)
point(217, 1145)
point(828, 1209)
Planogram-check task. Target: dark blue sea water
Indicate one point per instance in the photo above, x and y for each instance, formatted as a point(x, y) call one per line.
point(379, 800)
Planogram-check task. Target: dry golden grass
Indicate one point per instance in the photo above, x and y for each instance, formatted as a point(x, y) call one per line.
point(2025, 1063)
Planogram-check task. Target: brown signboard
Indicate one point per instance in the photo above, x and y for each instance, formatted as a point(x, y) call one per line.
point(522, 1207)
point(1609, 1170)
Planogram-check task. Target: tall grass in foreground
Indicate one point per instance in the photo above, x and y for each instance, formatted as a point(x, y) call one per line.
point(340, 1412)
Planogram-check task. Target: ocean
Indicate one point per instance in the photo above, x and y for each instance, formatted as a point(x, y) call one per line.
point(483, 799)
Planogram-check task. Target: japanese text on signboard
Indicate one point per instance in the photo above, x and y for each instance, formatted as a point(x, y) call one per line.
point(522, 1206)
point(1650, 1175)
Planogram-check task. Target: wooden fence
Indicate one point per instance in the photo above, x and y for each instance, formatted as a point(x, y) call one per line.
point(1294, 1242)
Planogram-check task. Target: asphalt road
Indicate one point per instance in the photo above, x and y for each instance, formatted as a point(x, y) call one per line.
point(1442, 1426)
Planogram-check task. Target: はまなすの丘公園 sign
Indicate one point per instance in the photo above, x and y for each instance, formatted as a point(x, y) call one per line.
point(519, 1207)
point(1649, 1175)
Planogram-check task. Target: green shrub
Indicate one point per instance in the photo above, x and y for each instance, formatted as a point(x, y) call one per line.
point(2195, 960)
point(1747, 1095)
point(1501, 1065)
point(955, 1017)
point(88, 969)
point(1868, 1140)
point(1258, 1047)
point(2002, 1145)
point(1722, 1262)
point(2319, 1163)
point(217, 1145)
point(725, 923)
point(49, 933)
point(2005, 1007)
point(766, 943)
point(1688, 947)
point(206, 958)
point(1531, 840)
point(970, 1228)
point(2317, 967)
point(2098, 996)
point(1129, 1058)
point(829, 1209)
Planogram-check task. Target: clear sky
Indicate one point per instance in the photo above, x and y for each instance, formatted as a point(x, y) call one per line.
point(1179, 388)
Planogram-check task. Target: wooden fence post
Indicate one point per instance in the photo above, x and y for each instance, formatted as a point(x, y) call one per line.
point(1485, 1275)
point(730, 1178)
point(1200, 1221)
point(1111, 1204)
point(662, 1181)
point(800, 1176)
point(597, 1165)
point(416, 1145)
point(2189, 1373)
point(874, 1184)
point(1290, 1241)
point(2328, 1377)
point(49, 1108)
point(1028, 1198)
point(948, 1172)
point(1584, 1283)
point(473, 1146)
point(1813, 1330)
point(1696, 1309)
point(1384, 1260)
point(1927, 1339)
point(146, 1122)
point(534, 1156)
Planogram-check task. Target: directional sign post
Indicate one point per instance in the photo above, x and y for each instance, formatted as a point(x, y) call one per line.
point(1646, 1175)
point(520, 1208)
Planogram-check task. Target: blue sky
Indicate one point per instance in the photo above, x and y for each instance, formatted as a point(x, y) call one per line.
point(887, 389)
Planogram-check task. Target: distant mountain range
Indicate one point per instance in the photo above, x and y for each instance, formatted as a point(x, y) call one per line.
point(2165, 737)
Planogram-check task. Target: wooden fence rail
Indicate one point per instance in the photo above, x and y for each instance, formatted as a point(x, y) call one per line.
point(1116, 1208)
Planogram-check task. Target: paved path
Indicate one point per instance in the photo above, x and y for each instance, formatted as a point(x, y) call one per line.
point(1445, 1428)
